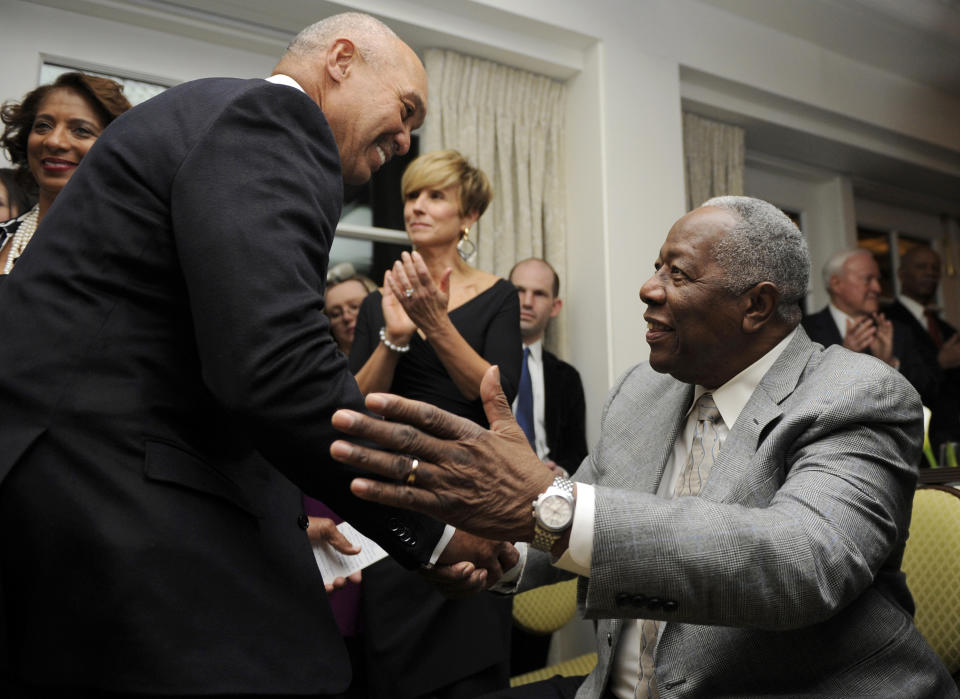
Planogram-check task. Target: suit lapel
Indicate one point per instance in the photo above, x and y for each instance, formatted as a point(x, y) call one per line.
point(662, 412)
point(733, 466)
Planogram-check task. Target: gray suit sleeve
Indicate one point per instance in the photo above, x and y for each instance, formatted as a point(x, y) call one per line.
point(795, 524)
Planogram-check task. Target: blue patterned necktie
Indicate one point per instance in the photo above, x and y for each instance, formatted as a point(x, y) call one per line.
point(525, 401)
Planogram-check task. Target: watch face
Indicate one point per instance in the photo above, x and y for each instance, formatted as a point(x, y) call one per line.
point(555, 512)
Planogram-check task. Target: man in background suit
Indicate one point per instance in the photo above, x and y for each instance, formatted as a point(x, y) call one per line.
point(559, 408)
point(738, 529)
point(852, 318)
point(556, 411)
point(935, 342)
point(164, 330)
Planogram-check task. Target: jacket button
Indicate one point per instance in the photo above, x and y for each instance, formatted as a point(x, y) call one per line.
point(622, 598)
point(394, 525)
point(670, 606)
point(610, 639)
point(303, 521)
point(654, 603)
point(639, 600)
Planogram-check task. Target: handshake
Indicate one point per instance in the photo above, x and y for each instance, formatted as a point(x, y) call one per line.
point(482, 481)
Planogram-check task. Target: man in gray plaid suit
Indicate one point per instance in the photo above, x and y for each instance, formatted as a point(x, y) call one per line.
point(739, 527)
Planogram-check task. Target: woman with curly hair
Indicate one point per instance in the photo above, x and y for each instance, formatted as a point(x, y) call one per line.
point(46, 136)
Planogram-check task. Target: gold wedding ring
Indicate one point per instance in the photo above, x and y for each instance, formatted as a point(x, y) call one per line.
point(412, 476)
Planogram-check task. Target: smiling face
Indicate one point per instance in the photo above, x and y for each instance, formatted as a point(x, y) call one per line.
point(856, 290)
point(432, 217)
point(694, 323)
point(342, 304)
point(374, 107)
point(64, 129)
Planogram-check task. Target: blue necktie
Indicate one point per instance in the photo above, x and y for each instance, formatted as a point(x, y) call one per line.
point(525, 401)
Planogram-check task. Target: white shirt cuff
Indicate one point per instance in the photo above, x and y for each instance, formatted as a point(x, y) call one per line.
point(441, 545)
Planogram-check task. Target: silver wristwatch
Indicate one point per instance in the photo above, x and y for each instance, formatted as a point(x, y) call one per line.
point(552, 513)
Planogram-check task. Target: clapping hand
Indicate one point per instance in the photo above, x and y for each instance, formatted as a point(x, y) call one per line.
point(423, 299)
point(949, 355)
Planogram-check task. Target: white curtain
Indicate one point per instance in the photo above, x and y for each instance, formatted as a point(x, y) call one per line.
point(713, 155)
point(510, 124)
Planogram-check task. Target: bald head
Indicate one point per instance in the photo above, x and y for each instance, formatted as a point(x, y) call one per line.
point(371, 86)
point(369, 34)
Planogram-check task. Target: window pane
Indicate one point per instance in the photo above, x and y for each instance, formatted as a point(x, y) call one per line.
point(136, 91)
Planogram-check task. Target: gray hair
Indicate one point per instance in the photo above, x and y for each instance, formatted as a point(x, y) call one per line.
point(834, 266)
point(320, 35)
point(764, 246)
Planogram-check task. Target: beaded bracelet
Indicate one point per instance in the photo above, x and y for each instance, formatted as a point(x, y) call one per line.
point(400, 349)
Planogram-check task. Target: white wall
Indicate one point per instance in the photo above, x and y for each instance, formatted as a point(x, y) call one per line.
point(631, 61)
point(29, 31)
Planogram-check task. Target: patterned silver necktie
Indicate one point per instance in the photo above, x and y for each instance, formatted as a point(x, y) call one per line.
point(703, 453)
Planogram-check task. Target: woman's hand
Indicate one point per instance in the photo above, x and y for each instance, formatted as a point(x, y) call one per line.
point(427, 300)
point(399, 326)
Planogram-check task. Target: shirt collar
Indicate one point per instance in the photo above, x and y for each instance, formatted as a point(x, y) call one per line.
point(732, 396)
point(281, 79)
point(536, 350)
point(916, 310)
point(840, 319)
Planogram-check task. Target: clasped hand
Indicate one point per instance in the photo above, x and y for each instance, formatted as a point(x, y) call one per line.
point(481, 481)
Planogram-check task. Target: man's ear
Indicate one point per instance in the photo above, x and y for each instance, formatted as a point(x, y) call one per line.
point(832, 284)
point(340, 59)
point(761, 305)
point(557, 305)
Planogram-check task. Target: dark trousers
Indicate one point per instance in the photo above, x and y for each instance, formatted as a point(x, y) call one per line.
point(556, 687)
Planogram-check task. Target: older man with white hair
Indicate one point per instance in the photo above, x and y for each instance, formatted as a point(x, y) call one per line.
point(739, 527)
point(852, 318)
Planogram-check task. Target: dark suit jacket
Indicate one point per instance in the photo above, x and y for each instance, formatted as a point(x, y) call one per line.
point(821, 328)
point(564, 412)
point(163, 329)
point(939, 389)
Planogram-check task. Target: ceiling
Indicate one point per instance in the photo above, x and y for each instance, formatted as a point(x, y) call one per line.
point(918, 39)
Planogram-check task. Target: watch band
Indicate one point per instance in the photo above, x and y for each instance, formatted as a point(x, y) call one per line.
point(544, 539)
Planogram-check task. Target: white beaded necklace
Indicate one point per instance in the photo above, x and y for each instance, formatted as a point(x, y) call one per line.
point(25, 231)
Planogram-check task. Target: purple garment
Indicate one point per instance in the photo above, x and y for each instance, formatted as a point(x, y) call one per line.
point(346, 601)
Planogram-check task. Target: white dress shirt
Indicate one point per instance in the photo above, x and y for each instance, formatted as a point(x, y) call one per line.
point(535, 366)
point(730, 398)
point(281, 79)
point(840, 319)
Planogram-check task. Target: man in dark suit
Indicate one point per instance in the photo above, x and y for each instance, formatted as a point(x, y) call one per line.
point(558, 406)
point(162, 332)
point(935, 342)
point(739, 527)
point(852, 318)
